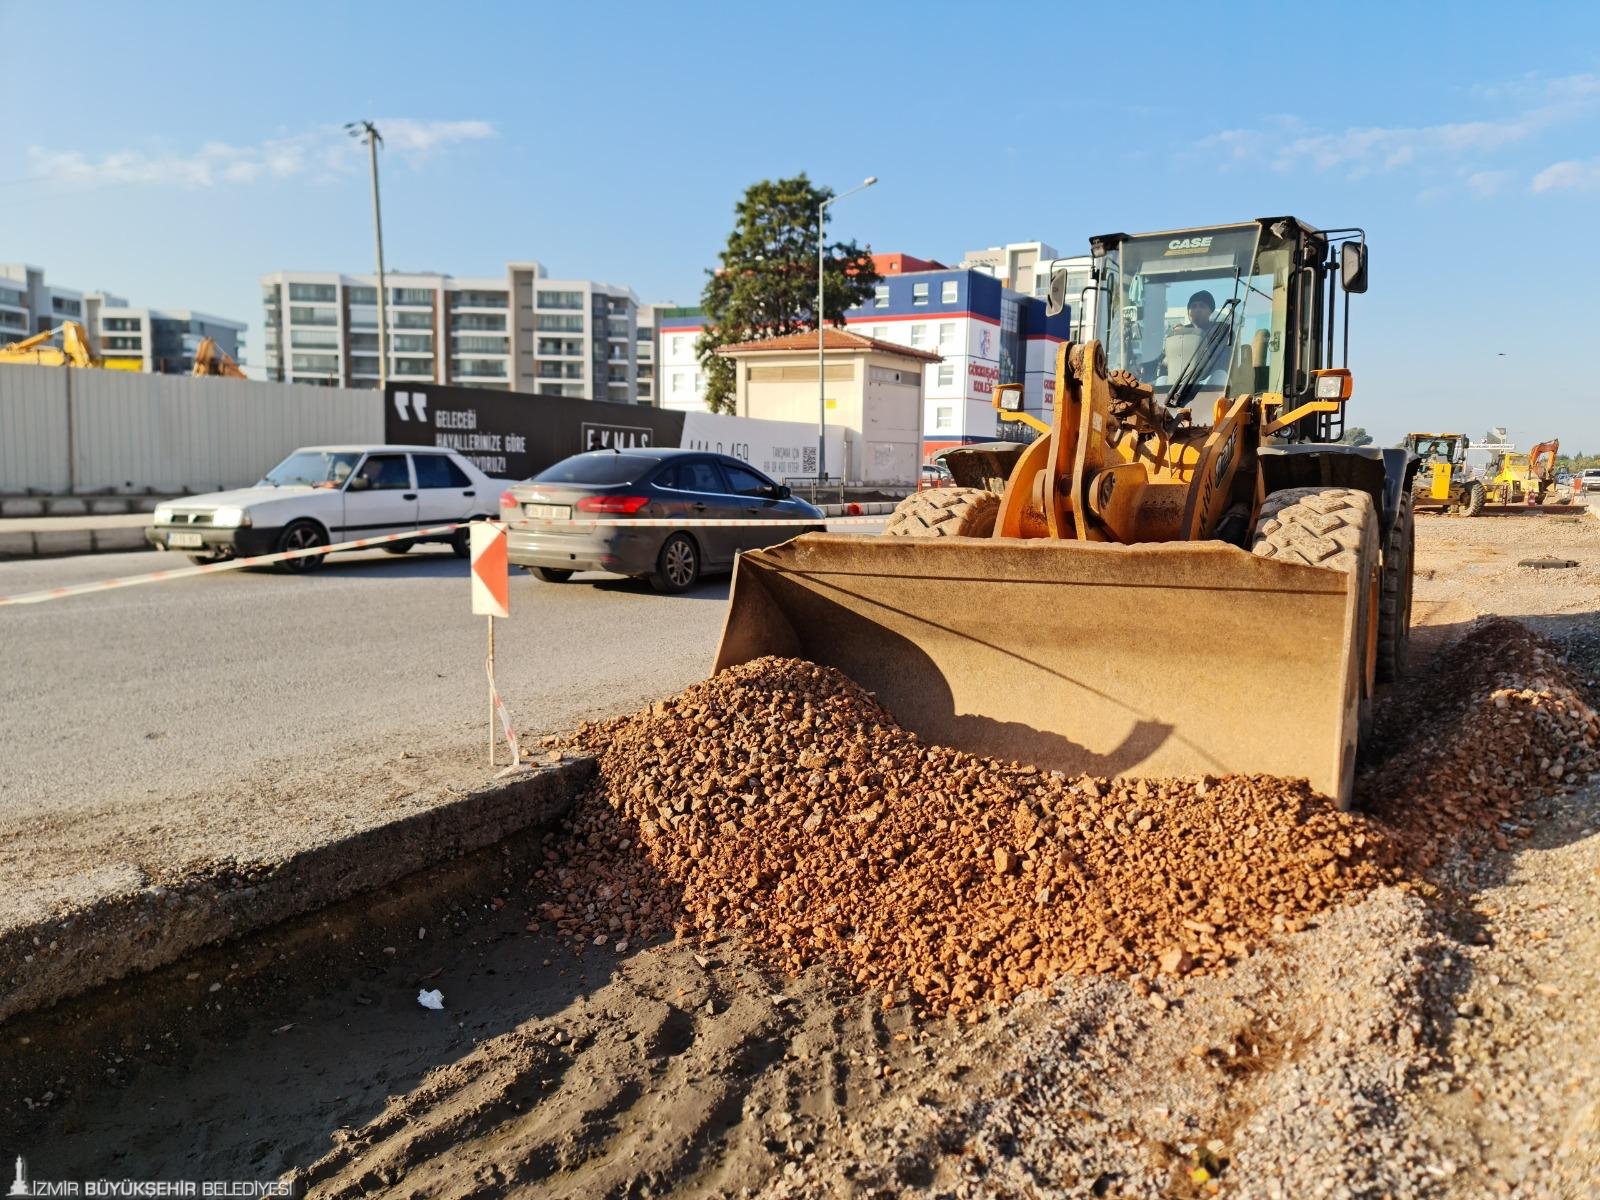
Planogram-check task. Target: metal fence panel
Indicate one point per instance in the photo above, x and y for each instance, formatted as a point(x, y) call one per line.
point(33, 429)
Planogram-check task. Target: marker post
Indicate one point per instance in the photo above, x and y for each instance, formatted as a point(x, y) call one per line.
point(491, 598)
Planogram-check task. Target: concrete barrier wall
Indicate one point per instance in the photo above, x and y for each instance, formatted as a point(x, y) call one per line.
point(69, 429)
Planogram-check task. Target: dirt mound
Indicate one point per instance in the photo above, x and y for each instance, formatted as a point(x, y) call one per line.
point(1500, 722)
point(780, 800)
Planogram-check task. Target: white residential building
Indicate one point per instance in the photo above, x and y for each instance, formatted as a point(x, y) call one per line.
point(523, 332)
point(160, 340)
point(1015, 264)
point(680, 378)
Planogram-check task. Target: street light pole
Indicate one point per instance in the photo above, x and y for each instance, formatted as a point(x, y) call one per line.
point(822, 325)
point(368, 131)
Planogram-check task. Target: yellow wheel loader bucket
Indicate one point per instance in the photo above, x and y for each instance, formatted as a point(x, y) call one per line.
point(1087, 657)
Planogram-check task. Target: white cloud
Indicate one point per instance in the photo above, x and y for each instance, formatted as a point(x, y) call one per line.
point(1571, 175)
point(327, 150)
point(1286, 143)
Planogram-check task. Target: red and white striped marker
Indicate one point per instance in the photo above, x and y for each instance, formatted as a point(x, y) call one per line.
point(491, 598)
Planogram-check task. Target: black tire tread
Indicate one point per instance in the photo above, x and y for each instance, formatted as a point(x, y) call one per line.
point(1394, 612)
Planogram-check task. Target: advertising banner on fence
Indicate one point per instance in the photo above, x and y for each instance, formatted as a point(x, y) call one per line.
point(512, 435)
point(779, 449)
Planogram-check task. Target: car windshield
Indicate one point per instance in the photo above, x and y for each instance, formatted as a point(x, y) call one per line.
point(311, 467)
point(596, 468)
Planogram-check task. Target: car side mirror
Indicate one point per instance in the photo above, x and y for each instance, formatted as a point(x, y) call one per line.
point(359, 483)
point(781, 491)
point(1353, 266)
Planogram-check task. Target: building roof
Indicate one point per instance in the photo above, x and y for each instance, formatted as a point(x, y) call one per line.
point(834, 339)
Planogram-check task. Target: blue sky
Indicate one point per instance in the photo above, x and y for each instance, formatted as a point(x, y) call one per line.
point(176, 152)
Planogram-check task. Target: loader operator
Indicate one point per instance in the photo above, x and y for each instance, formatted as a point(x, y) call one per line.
point(1185, 341)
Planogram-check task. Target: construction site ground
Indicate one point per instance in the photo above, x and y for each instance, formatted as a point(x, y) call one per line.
point(646, 1002)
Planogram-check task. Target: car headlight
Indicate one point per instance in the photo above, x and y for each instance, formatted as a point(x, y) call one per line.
point(163, 515)
point(230, 517)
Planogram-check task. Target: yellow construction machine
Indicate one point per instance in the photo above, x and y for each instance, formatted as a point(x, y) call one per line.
point(40, 349)
point(1442, 480)
point(212, 359)
point(1183, 573)
point(1525, 478)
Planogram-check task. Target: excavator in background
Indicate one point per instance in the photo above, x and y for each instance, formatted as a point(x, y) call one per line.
point(212, 359)
point(40, 350)
point(1525, 478)
point(1183, 574)
point(1442, 480)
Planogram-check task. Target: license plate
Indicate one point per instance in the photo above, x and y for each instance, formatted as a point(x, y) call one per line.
point(547, 512)
point(185, 541)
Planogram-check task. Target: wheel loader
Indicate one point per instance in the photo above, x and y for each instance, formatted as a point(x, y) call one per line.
point(1181, 574)
point(1442, 481)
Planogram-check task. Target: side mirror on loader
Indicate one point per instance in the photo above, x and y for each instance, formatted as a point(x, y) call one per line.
point(1353, 266)
point(1056, 302)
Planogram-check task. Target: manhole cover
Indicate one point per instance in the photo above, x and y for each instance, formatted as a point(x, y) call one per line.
point(1547, 564)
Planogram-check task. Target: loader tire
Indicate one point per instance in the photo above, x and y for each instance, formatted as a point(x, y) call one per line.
point(1475, 500)
point(1394, 619)
point(1337, 529)
point(945, 512)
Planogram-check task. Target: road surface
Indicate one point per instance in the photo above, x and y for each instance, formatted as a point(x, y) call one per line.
point(234, 714)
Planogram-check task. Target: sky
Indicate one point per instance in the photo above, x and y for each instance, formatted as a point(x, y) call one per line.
point(180, 151)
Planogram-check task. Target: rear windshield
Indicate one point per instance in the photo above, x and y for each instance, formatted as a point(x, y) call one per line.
point(597, 468)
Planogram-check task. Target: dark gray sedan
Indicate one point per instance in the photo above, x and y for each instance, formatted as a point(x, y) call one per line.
point(684, 485)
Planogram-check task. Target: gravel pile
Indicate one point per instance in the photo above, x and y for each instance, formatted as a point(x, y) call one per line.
point(1458, 765)
point(780, 800)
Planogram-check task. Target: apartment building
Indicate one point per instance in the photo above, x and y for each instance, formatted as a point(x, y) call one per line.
point(680, 379)
point(161, 340)
point(984, 333)
point(1015, 265)
point(521, 332)
point(29, 305)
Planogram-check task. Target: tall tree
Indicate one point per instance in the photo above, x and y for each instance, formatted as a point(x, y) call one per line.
point(1355, 436)
point(766, 282)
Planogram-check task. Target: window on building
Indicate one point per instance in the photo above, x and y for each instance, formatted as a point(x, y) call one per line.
point(123, 324)
point(322, 293)
point(314, 339)
point(947, 335)
point(123, 343)
point(478, 368)
point(919, 293)
point(947, 374)
point(299, 315)
point(479, 344)
point(944, 417)
point(560, 299)
point(8, 296)
point(412, 320)
point(363, 364)
point(364, 341)
point(947, 292)
point(919, 335)
point(314, 362)
point(361, 295)
point(556, 323)
point(412, 295)
point(880, 296)
point(468, 298)
point(414, 367)
point(415, 343)
point(61, 304)
point(680, 381)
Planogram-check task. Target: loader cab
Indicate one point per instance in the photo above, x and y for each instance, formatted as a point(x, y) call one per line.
point(1269, 288)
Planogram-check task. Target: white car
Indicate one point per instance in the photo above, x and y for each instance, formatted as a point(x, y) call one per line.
point(325, 494)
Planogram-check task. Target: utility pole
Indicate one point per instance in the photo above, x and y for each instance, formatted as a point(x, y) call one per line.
point(822, 325)
point(367, 131)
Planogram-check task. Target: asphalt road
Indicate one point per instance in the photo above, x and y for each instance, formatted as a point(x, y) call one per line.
point(198, 719)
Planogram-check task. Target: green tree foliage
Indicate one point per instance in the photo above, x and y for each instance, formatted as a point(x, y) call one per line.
point(766, 282)
point(1355, 436)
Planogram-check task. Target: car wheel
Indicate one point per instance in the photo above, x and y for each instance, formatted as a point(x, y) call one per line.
point(677, 565)
point(205, 560)
point(461, 541)
point(553, 574)
point(302, 535)
point(397, 547)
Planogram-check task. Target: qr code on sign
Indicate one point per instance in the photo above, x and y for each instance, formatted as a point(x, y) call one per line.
point(808, 461)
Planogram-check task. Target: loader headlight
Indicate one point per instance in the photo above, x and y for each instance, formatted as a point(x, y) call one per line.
point(1333, 384)
point(1010, 399)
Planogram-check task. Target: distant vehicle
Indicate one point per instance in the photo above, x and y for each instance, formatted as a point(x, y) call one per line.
point(325, 494)
point(935, 475)
point(617, 485)
point(1591, 479)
